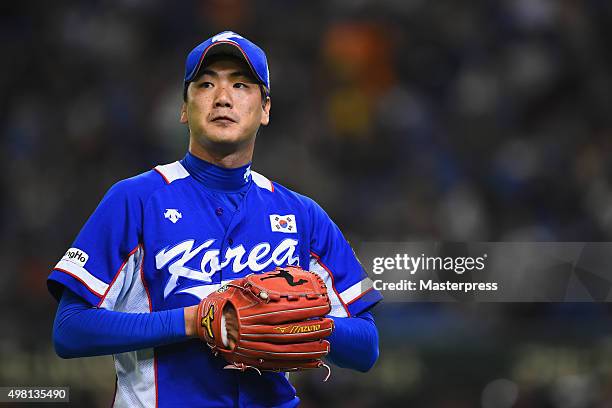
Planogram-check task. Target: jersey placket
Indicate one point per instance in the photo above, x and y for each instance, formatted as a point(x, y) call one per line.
point(230, 221)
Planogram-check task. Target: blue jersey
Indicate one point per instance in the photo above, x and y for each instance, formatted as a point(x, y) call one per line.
point(162, 240)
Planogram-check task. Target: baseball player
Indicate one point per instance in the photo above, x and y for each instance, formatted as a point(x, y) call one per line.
point(160, 243)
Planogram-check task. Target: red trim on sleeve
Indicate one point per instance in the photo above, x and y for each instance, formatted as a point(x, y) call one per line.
point(331, 275)
point(161, 174)
point(117, 273)
point(79, 279)
point(359, 296)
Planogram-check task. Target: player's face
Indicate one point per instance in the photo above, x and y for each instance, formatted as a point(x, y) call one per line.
point(224, 106)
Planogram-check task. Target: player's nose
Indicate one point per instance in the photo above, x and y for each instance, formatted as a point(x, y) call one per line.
point(223, 98)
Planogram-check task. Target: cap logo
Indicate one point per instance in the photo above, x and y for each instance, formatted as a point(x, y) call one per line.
point(226, 36)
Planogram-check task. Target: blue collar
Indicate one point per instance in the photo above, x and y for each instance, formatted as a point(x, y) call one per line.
point(215, 177)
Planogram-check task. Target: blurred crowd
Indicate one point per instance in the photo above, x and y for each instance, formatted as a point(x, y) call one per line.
point(405, 119)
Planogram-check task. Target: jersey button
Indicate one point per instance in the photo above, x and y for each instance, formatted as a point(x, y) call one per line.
point(230, 241)
point(219, 211)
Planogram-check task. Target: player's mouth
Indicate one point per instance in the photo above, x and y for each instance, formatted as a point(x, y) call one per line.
point(222, 119)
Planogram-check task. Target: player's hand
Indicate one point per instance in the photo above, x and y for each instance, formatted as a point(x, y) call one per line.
point(231, 324)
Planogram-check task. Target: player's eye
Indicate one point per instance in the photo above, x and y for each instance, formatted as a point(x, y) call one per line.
point(205, 84)
point(240, 85)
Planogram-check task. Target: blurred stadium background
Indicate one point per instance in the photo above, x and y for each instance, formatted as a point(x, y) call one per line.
point(405, 119)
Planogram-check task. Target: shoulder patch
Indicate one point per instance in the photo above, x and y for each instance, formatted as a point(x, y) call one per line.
point(172, 172)
point(262, 181)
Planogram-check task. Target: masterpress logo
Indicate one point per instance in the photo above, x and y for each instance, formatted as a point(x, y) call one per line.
point(413, 264)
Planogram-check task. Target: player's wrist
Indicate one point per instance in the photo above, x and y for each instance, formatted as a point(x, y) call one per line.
point(191, 315)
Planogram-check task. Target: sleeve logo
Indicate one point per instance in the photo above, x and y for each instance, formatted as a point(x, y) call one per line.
point(76, 256)
point(283, 223)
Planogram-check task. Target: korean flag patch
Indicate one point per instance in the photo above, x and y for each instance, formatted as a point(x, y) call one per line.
point(283, 223)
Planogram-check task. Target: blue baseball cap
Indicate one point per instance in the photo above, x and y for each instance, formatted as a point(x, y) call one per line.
point(229, 43)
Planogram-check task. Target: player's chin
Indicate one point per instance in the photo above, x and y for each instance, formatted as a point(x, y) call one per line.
point(228, 138)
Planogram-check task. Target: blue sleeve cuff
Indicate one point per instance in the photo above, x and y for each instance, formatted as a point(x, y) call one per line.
point(177, 319)
point(354, 342)
point(364, 302)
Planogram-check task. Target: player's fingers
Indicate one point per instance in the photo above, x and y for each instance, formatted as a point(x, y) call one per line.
point(231, 340)
point(230, 315)
point(308, 330)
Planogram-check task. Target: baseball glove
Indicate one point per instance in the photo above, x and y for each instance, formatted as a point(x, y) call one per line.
point(279, 317)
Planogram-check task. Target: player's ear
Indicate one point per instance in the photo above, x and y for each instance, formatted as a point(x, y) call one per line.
point(265, 107)
point(183, 118)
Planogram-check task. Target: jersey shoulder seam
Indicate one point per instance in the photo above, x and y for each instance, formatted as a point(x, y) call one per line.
point(262, 181)
point(172, 171)
point(152, 179)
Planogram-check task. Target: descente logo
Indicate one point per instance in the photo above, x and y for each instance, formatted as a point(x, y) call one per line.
point(76, 256)
point(260, 257)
